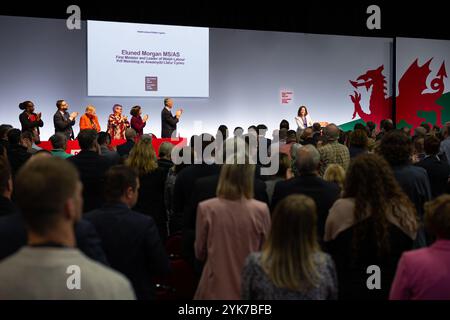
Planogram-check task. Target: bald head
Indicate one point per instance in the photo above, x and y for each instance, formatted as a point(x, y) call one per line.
point(332, 132)
point(307, 160)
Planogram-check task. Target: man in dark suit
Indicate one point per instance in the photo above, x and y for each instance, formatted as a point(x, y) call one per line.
point(437, 167)
point(130, 239)
point(64, 121)
point(125, 148)
point(92, 167)
point(168, 121)
point(309, 183)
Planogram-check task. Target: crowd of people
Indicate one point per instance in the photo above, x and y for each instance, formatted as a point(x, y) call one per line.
point(130, 218)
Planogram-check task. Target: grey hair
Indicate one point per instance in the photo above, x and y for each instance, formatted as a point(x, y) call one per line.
point(308, 158)
point(165, 149)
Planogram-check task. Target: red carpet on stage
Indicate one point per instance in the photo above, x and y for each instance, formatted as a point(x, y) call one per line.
point(74, 148)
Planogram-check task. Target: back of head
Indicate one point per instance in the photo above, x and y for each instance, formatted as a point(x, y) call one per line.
point(103, 138)
point(87, 139)
point(289, 252)
point(432, 145)
point(307, 160)
point(388, 125)
point(223, 131)
point(419, 145)
point(261, 129)
point(426, 126)
point(165, 150)
point(130, 134)
point(236, 178)
point(14, 136)
point(371, 183)
point(359, 138)
point(420, 132)
point(284, 165)
point(142, 157)
point(335, 173)
point(135, 111)
point(317, 127)
point(291, 136)
point(58, 141)
point(437, 217)
point(284, 124)
point(43, 187)
point(4, 128)
point(359, 126)
point(396, 148)
point(117, 181)
point(332, 132)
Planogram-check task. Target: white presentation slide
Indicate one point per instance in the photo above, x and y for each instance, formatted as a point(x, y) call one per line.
point(145, 60)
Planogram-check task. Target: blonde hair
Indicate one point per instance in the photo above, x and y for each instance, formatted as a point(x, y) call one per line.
point(236, 180)
point(335, 173)
point(289, 257)
point(142, 156)
point(90, 107)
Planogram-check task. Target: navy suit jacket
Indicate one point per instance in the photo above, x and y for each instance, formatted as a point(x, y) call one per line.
point(132, 245)
point(63, 124)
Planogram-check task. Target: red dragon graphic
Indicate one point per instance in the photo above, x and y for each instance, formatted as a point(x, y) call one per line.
point(411, 98)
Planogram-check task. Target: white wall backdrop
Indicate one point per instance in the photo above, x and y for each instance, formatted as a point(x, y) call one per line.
point(41, 60)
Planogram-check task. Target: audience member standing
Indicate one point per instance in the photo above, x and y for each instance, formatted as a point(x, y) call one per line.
point(130, 239)
point(229, 228)
point(373, 224)
point(424, 274)
point(92, 167)
point(17, 153)
point(40, 270)
point(309, 183)
point(333, 151)
point(152, 179)
point(291, 264)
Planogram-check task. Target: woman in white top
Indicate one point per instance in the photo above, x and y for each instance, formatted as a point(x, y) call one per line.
point(303, 119)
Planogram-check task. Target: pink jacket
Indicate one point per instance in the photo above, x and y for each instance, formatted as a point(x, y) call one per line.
point(423, 274)
point(226, 233)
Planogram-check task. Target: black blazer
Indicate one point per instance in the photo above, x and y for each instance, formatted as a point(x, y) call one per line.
point(91, 167)
point(322, 192)
point(63, 124)
point(28, 125)
point(168, 123)
point(182, 190)
point(13, 236)
point(132, 245)
point(351, 265)
point(204, 189)
point(438, 172)
point(151, 199)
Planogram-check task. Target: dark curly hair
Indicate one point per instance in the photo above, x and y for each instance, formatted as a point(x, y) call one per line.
point(371, 182)
point(396, 148)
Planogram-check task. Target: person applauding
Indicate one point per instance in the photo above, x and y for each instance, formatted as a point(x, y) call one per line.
point(117, 123)
point(30, 120)
point(137, 122)
point(89, 120)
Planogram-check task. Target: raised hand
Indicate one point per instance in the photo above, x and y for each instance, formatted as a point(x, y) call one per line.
point(145, 118)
